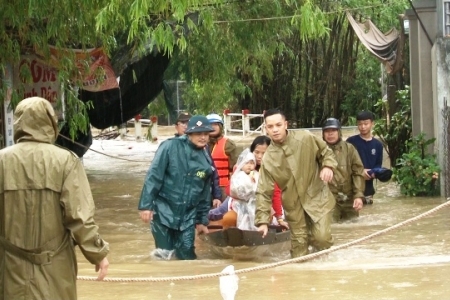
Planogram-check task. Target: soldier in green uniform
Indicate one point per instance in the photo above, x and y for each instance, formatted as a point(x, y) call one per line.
point(302, 165)
point(176, 196)
point(348, 183)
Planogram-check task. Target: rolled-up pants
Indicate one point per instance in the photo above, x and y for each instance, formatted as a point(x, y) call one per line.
point(182, 241)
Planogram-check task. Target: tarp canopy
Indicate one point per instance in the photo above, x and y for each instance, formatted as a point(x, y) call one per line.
point(386, 47)
point(140, 83)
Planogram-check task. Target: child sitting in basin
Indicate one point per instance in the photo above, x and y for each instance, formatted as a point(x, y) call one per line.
point(243, 185)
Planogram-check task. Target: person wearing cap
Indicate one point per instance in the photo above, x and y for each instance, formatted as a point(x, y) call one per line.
point(347, 185)
point(223, 151)
point(176, 195)
point(302, 165)
point(180, 127)
point(182, 122)
point(370, 151)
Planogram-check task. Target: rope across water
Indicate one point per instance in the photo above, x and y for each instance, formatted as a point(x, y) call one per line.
point(276, 264)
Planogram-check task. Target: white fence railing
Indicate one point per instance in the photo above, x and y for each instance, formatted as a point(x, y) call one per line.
point(230, 119)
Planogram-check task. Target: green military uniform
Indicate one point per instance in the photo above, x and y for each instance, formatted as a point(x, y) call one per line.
point(46, 207)
point(294, 166)
point(178, 190)
point(348, 181)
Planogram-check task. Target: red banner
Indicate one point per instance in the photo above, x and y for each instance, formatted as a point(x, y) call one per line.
point(98, 65)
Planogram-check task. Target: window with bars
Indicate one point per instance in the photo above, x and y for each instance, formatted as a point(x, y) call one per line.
point(446, 18)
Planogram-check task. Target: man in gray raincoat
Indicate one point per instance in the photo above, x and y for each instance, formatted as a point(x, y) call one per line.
point(301, 164)
point(348, 182)
point(46, 208)
point(176, 196)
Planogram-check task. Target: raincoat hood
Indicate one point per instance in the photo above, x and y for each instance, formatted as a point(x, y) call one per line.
point(242, 185)
point(35, 120)
point(244, 158)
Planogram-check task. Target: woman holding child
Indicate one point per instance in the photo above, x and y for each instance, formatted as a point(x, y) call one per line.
point(226, 211)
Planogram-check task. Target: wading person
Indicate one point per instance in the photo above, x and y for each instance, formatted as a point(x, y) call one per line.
point(46, 208)
point(180, 127)
point(347, 185)
point(223, 151)
point(370, 151)
point(301, 164)
point(176, 196)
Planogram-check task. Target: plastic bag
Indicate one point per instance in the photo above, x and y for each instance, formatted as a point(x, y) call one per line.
point(242, 186)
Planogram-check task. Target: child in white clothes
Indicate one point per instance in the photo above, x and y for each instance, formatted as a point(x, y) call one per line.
point(242, 189)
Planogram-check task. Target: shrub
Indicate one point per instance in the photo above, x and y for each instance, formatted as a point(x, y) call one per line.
point(417, 170)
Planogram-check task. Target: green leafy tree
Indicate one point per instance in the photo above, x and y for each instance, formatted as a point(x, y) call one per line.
point(301, 56)
point(395, 131)
point(35, 25)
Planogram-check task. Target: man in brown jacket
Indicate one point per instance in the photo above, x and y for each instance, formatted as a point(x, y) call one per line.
point(348, 183)
point(302, 165)
point(46, 208)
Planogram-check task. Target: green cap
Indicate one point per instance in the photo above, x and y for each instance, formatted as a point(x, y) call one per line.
point(198, 124)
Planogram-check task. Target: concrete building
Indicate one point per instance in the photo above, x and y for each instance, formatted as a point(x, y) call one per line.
point(429, 40)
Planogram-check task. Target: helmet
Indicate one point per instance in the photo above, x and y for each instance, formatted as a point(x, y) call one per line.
point(331, 123)
point(214, 118)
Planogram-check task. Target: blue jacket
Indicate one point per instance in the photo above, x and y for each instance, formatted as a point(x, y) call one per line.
point(177, 187)
point(215, 188)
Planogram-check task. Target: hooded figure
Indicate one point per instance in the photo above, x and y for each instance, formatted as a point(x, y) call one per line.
point(242, 189)
point(46, 207)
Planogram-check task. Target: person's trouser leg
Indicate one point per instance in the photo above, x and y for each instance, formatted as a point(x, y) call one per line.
point(299, 235)
point(321, 237)
point(348, 212)
point(184, 243)
point(163, 235)
point(369, 192)
point(344, 210)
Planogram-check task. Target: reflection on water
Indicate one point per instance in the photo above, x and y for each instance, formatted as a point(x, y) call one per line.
point(412, 262)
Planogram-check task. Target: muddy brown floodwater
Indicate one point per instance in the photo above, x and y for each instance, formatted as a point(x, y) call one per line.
point(412, 262)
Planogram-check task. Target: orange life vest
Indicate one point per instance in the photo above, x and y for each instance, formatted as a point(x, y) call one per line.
point(221, 161)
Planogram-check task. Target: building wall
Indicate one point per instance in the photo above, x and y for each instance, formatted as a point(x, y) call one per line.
point(421, 65)
point(430, 85)
point(441, 88)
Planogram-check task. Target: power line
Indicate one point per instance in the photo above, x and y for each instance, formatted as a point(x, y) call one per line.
point(290, 17)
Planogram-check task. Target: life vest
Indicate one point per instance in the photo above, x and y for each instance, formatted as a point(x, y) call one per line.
point(221, 161)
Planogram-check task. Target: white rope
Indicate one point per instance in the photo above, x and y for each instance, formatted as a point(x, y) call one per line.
point(276, 264)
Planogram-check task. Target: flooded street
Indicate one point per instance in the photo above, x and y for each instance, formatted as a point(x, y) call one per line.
point(412, 262)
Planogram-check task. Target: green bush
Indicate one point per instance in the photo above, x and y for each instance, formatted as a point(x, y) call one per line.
point(417, 171)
